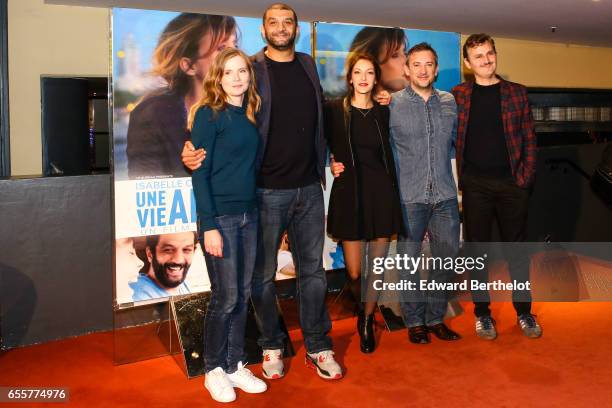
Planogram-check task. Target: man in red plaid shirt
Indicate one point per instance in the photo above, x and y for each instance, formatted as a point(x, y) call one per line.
point(496, 161)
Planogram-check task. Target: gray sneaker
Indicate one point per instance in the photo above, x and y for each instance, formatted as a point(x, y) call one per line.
point(485, 328)
point(529, 326)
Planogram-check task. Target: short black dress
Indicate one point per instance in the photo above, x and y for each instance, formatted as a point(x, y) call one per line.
point(379, 213)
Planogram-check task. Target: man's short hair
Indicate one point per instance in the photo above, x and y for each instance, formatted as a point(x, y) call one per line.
point(279, 6)
point(475, 40)
point(153, 240)
point(422, 47)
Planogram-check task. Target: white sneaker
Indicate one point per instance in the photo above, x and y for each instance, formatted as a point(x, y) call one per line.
point(325, 364)
point(272, 367)
point(219, 386)
point(244, 379)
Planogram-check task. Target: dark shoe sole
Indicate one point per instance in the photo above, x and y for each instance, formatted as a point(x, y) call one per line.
point(447, 338)
point(367, 351)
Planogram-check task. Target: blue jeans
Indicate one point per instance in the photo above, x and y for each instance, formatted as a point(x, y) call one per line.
point(301, 212)
point(441, 221)
point(230, 283)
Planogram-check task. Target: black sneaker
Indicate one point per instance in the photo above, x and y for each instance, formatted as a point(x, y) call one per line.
point(418, 335)
point(485, 328)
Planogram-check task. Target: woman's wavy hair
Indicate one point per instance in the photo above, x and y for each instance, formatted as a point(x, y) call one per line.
point(181, 39)
point(373, 40)
point(213, 94)
point(351, 61)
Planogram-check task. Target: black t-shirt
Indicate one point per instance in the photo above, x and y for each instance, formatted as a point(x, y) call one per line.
point(290, 158)
point(485, 143)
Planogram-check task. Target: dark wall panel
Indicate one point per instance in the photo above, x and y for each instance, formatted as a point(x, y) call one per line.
point(563, 206)
point(5, 162)
point(55, 258)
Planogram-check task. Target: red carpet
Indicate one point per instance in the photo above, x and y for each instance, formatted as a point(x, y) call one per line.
point(570, 366)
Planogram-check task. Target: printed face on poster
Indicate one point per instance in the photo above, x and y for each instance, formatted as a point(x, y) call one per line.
point(389, 46)
point(159, 61)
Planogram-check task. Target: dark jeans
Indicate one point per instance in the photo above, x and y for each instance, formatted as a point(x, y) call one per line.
point(230, 283)
point(301, 212)
point(441, 221)
point(486, 199)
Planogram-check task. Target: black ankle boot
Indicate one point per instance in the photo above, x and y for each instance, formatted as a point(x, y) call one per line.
point(360, 321)
point(365, 328)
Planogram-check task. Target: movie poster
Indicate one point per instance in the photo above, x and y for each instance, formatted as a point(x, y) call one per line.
point(159, 61)
point(335, 41)
point(158, 64)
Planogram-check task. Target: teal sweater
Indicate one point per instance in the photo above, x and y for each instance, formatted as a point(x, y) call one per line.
point(225, 183)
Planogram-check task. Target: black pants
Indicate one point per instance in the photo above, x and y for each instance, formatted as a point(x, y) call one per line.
point(486, 199)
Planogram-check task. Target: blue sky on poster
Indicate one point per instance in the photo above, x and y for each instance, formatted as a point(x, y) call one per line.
point(146, 25)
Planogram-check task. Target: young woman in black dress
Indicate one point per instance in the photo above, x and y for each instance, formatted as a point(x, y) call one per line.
point(364, 209)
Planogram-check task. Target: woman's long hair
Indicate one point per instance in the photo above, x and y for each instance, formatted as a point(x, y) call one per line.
point(375, 40)
point(351, 61)
point(181, 39)
point(213, 94)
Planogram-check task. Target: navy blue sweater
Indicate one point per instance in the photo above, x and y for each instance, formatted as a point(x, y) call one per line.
point(225, 183)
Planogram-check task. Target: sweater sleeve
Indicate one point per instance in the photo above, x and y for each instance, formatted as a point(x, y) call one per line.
point(204, 135)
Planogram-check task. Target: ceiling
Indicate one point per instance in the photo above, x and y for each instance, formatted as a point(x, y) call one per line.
point(587, 22)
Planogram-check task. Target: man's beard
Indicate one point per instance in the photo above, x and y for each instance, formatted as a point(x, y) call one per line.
point(426, 87)
point(162, 276)
point(279, 45)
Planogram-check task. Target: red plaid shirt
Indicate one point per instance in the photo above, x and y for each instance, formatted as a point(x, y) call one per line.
point(518, 128)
